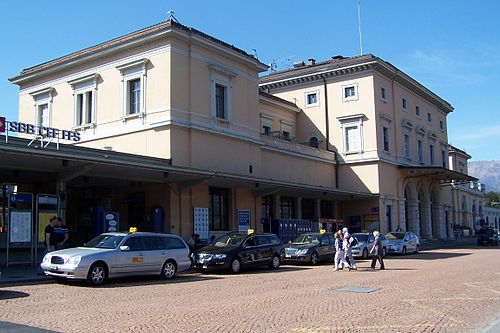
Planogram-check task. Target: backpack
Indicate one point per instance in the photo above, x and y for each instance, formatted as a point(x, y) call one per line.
point(353, 241)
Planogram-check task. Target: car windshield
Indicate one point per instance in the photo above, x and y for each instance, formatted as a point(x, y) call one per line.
point(361, 237)
point(307, 239)
point(394, 235)
point(229, 240)
point(105, 241)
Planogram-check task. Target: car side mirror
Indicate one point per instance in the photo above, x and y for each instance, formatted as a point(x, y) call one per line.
point(124, 248)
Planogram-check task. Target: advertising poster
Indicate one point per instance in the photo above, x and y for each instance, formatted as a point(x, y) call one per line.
point(111, 222)
point(201, 222)
point(243, 220)
point(20, 227)
point(43, 221)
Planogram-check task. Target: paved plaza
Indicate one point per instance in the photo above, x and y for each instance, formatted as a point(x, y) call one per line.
point(446, 290)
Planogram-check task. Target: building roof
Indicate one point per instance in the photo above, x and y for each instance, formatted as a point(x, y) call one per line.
point(278, 100)
point(340, 65)
point(453, 149)
point(150, 31)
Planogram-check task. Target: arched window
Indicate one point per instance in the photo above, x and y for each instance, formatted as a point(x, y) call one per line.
point(313, 142)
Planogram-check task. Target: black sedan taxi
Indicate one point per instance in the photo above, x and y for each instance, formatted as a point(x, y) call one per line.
point(235, 251)
point(311, 248)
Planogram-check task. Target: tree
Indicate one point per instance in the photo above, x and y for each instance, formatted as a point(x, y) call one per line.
point(492, 199)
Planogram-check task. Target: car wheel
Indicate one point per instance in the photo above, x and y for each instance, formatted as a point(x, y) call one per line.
point(275, 263)
point(314, 258)
point(365, 253)
point(169, 269)
point(97, 274)
point(235, 266)
point(417, 249)
point(403, 251)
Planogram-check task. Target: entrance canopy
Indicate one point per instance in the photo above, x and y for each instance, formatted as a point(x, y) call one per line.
point(436, 173)
point(74, 164)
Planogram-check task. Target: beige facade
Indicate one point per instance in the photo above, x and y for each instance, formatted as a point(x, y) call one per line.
point(352, 139)
point(389, 133)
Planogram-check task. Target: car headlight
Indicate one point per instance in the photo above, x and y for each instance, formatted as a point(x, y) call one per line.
point(46, 258)
point(302, 252)
point(75, 260)
point(219, 256)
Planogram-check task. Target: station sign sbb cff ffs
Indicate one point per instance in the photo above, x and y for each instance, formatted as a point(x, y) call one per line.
point(49, 132)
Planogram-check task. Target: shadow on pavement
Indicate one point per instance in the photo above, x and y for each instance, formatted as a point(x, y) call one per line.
point(134, 281)
point(6, 327)
point(429, 255)
point(11, 294)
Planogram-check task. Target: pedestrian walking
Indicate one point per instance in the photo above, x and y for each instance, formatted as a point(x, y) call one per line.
point(348, 243)
point(340, 261)
point(377, 251)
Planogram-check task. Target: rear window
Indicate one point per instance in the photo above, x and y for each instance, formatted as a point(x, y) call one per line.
point(172, 243)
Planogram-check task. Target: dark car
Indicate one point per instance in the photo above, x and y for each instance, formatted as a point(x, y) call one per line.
point(487, 236)
point(235, 251)
point(311, 248)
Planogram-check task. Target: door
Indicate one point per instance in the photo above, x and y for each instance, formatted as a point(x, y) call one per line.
point(153, 254)
point(327, 248)
point(132, 260)
point(249, 251)
point(265, 249)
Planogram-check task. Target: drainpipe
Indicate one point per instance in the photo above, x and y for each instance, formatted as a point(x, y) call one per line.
point(327, 125)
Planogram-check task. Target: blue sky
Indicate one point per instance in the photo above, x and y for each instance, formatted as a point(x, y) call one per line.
point(450, 46)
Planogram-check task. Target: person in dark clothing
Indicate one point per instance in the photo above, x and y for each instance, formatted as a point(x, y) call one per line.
point(377, 251)
point(60, 234)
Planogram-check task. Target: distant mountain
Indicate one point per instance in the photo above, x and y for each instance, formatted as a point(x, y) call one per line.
point(488, 173)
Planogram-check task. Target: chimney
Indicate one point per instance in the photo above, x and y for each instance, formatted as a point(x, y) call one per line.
point(298, 64)
point(311, 61)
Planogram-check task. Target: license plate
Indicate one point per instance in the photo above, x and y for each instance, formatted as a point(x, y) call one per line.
point(288, 255)
point(205, 266)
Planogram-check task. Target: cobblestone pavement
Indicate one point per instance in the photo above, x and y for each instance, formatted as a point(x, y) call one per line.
point(447, 290)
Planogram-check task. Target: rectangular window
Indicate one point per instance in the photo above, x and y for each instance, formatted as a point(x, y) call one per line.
point(443, 158)
point(429, 117)
point(312, 99)
point(327, 209)
point(266, 130)
point(43, 115)
point(287, 207)
point(420, 150)
point(350, 92)
point(218, 209)
point(385, 131)
point(267, 207)
point(220, 101)
point(286, 136)
point(352, 138)
point(134, 96)
point(383, 94)
point(84, 108)
point(407, 146)
point(417, 111)
point(431, 154)
point(404, 104)
point(441, 124)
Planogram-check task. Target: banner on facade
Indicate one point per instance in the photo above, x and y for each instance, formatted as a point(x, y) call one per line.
point(200, 216)
point(243, 220)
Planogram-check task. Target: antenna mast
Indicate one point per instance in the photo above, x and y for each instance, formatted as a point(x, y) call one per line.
point(359, 28)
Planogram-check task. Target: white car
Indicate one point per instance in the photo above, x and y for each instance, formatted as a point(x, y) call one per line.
point(117, 254)
point(403, 242)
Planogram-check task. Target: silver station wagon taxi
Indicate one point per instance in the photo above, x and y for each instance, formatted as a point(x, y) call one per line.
point(117, 254)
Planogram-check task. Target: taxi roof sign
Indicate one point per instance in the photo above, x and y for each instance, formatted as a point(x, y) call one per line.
point(132, 229)
point(250, 231)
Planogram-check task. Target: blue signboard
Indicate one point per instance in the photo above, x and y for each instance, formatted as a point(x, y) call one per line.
point(243, 220)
